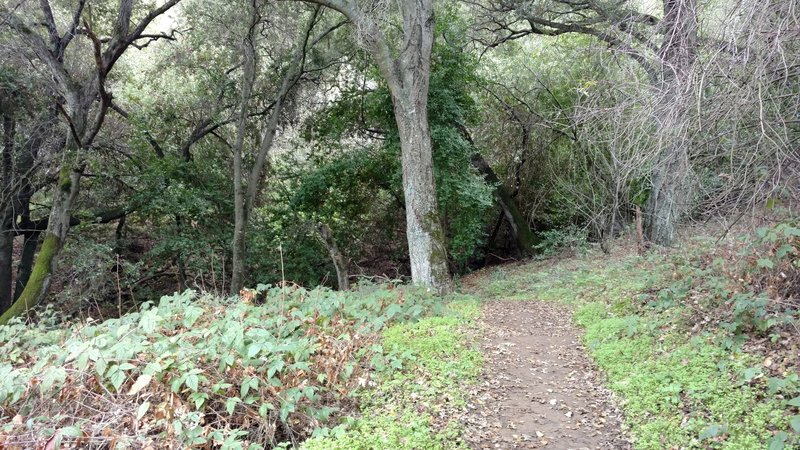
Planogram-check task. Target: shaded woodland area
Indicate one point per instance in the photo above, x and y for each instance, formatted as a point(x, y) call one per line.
point(150, 147)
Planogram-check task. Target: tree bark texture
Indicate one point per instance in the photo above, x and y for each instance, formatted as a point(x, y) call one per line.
point(668, 195)
point(55, 236)
point(408, 79)
point(239, 201)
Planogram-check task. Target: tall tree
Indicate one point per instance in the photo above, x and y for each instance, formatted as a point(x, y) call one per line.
point(248, 182)
point(668, 197)
point(407, 75)
point(81, 96)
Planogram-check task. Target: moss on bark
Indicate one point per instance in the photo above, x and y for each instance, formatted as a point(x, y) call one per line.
point(37, 282)
point(64, 181)
point(438, 256)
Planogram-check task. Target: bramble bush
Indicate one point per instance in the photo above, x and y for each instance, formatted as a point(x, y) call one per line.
point(197, 371)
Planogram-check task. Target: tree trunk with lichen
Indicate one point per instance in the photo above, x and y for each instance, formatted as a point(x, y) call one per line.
point(408, 78)
point(406, 70)
point(426, 243)
point(36, 288)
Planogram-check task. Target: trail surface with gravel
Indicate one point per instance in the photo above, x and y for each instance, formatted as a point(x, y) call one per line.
point(539, 389)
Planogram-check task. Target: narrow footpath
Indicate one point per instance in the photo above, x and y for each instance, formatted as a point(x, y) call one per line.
point(538, 388)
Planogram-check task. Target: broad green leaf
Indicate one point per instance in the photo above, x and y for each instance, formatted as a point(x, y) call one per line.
point(53, 376)
point(192, 382)
point(778, 441)
point(795, 423)
point(191, 314)
point(253, 349)
point(230, 404)
point(71, 431)
point(117, 379)
point(765, 263)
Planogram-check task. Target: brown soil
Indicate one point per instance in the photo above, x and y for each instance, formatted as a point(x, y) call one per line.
point(538, 388)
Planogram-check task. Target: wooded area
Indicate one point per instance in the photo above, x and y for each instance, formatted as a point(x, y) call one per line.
point(151, 147)
point(219, 139)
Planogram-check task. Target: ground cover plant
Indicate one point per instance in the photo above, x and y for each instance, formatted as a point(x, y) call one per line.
point(197, 371)
point(419, 405)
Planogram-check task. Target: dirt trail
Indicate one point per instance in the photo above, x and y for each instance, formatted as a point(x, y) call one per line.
point(538, 388)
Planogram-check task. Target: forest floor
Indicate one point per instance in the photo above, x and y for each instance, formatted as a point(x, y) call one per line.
point(677, 349)
point(539, 389)
point(690, 348)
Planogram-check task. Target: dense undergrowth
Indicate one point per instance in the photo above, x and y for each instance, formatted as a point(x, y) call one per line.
point(701, 344)
point(203, 372)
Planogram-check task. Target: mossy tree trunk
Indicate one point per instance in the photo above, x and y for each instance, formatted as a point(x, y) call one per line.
point(58, 226)
point(78, 96)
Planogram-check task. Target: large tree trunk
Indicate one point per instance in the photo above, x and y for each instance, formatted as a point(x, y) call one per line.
point(408, 80)
point(668, 195)
point(407, 76)
point(426, 244)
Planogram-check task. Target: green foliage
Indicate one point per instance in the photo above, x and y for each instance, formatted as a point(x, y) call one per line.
point(192, 369)
point(430, 361)
point(341, 187)
point(558, 239)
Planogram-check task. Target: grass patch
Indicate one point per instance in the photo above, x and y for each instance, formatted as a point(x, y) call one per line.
point(418, 396)
point(678, 395)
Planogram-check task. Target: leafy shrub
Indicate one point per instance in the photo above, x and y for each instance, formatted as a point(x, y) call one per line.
point(196, 371)
point(556, 240)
